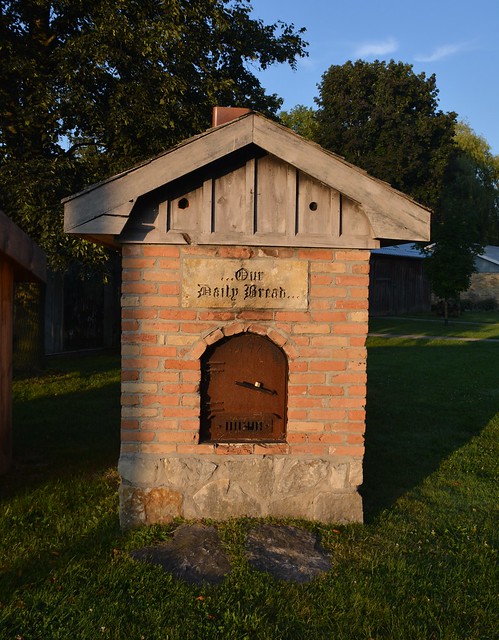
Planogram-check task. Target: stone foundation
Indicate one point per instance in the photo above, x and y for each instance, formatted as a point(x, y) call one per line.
point(160, 489)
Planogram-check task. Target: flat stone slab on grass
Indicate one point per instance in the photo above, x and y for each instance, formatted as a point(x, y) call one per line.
point(195, 555)
point(287, 553)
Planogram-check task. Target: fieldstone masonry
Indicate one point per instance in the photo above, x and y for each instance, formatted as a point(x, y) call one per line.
point(316, 472)
point(483, 286)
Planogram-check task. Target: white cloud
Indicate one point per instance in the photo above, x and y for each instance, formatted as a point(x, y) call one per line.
point(309, 63)
point(381, 48)
point(442, 52)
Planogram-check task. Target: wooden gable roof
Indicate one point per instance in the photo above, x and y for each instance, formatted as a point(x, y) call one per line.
point(27, 259)
point(249, 181)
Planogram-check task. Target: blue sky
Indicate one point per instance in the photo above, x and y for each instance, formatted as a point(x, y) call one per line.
point(456, 40)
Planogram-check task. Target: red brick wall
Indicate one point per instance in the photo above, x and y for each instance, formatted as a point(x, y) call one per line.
point(162, 343)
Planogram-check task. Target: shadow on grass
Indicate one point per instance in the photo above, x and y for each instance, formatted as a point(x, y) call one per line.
point(57, 565)
point(424, 401)
point(65, 422)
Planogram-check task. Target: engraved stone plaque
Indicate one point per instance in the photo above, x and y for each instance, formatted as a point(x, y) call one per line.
point(246, 284)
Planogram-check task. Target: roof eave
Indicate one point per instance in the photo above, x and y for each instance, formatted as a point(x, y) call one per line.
point(28, 260)
point(392, 214)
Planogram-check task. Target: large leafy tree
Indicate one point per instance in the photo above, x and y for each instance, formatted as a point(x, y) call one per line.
point(484, 170)
point(385, 118)
point(88, 87)
point(467, 216)
point(456, 230)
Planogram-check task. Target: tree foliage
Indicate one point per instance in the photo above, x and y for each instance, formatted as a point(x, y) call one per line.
point(384, 118)
point(467, 216)
point(302, 120)
point(456, 231)
point(89, 87)
point(484, 166)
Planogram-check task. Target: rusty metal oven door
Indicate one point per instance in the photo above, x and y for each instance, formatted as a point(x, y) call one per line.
point(243, 390)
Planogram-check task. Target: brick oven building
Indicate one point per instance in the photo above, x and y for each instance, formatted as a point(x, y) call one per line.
point(244, 317)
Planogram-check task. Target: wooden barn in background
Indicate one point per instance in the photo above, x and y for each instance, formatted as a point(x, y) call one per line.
point(398, 284)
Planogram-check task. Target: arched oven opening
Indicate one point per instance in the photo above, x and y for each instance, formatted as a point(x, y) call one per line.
point(243, 390)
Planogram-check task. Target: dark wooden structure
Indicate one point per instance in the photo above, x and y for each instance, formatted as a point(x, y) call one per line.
point(20, 260)
point(397, 281)
point(81, 310)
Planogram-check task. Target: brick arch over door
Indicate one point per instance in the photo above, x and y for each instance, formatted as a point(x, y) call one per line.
point(244, 381)
point(280, 338)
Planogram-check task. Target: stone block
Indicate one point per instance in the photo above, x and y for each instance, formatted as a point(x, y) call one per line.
point(138, 471)
point(186, 471)
point(338, 508)
point(221, 499)
point(356, 475)
point(148, 506)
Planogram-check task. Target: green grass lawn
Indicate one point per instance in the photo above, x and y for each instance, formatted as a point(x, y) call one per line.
point(482, 325)
point(424, 566)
